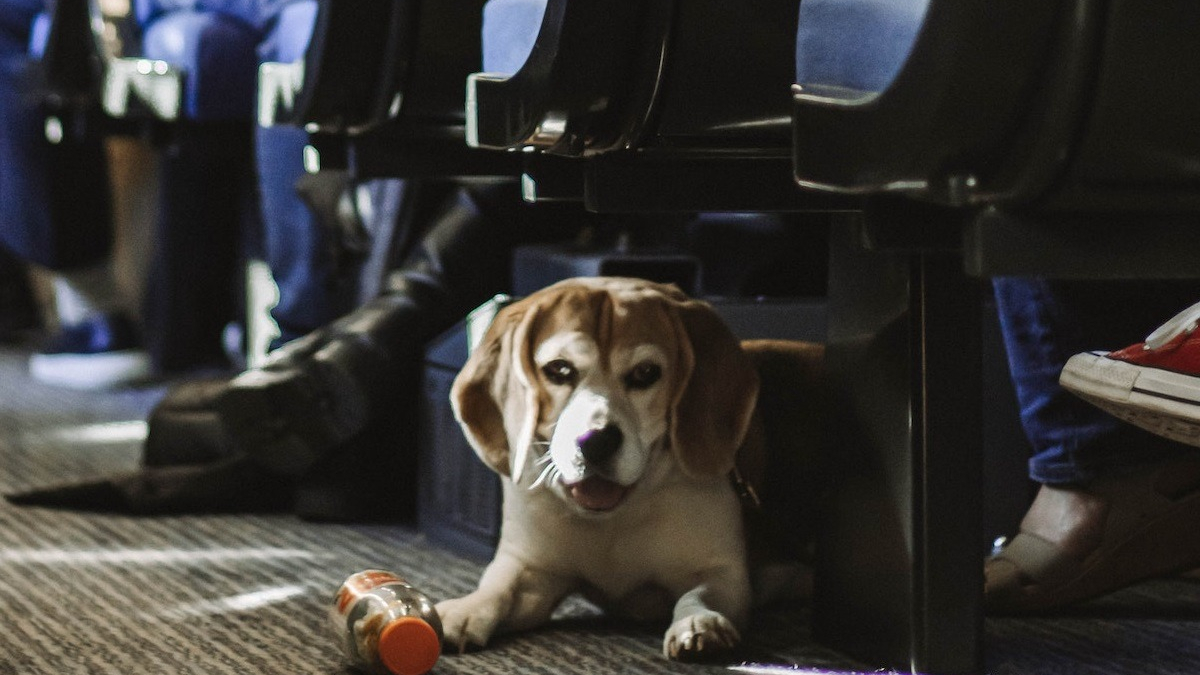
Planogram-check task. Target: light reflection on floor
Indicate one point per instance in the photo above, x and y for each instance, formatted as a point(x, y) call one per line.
point(148, 556)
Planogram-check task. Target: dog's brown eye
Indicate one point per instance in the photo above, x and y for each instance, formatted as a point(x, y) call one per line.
point(559, 371)
point(643, 375)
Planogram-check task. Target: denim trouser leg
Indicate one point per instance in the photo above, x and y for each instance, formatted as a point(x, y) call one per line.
point(1045, 322)
point(55, 207)
point(297, 248)
point(193, 287)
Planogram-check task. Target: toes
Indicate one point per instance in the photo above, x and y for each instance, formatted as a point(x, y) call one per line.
point(466, 625)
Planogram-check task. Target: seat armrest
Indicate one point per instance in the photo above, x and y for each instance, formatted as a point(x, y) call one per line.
point(193, 64)
point(136, 86)
point(278, 86)
point(282, 54)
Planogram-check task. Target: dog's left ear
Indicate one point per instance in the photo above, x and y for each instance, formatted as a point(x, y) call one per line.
point(715, 402)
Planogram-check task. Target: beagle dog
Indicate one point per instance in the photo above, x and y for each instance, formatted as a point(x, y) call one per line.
point(614, 409)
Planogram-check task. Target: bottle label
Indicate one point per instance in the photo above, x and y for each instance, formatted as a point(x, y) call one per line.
point(361, 583)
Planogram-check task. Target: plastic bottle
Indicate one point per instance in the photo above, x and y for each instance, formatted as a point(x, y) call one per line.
point(386, 626)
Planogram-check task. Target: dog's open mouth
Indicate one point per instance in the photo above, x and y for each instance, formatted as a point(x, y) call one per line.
point(597, 494)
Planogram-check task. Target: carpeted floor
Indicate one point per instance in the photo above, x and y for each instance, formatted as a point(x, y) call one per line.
point(89, 594)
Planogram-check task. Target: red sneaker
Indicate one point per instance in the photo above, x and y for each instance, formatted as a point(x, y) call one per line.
point(1153, 384)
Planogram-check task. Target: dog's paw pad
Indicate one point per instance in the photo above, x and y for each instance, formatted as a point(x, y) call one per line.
point(700, 636)
point(466, 623)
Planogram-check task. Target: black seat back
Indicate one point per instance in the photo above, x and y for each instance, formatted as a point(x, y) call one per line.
point(383, 90)
point(1072, 104)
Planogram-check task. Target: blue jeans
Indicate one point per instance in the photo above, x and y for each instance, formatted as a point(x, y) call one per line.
point(1045, 322)
point(55, 205)
point(295, 245)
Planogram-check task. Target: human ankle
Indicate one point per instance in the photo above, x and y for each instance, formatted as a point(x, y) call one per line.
point(1069, 517)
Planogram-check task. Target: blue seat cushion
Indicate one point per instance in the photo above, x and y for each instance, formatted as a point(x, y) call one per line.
point(510, 28)
point(217, 55)
point(859, 45)
point(247, 11)
point(288, 31)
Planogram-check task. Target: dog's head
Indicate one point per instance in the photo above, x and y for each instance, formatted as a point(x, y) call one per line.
point(584, 385)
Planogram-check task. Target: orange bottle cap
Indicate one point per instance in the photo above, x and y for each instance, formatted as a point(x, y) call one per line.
point(409, 646)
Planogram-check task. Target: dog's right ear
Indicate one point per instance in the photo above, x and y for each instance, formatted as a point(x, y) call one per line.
point(491, 394)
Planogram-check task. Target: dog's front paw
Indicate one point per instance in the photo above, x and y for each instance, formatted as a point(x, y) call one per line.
point(700, 636)
point(468, 621)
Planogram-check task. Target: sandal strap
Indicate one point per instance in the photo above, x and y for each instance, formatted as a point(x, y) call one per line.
point(1039, 560)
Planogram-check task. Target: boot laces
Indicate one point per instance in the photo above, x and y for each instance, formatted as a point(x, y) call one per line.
point(1183, 322)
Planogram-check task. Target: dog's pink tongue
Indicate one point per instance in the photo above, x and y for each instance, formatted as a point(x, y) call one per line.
point(597, 494)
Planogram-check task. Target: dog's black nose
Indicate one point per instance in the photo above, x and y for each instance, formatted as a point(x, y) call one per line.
point(597, 445)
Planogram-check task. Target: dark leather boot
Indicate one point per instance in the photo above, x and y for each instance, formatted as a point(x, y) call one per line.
point(332, 418)
point(318, 392)
point(184, 427)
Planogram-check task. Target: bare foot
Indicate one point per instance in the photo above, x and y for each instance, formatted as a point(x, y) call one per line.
point(1067, 517)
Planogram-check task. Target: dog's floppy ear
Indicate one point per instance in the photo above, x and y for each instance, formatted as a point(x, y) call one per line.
point(493, 393)
point(715, 402)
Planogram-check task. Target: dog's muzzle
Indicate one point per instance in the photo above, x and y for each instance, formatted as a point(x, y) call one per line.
point(594, 492)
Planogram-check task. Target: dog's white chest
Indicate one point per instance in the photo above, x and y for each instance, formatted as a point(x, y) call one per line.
point(640, 557)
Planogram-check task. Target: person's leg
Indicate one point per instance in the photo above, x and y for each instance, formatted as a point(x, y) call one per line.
point(55, 209)
point(1044, 323)
point(297, 246)
point(333, 412)
point(194, 285)
point(56, 212)
point(317, 391)
point(19, 311)
point(83, 292)
point(1097, 474)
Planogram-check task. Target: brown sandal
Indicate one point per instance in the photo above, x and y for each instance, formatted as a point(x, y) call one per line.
point(1151, 527)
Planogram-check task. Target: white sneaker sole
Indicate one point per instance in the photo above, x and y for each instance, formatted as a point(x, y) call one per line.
point(1159, 401)
point(91, 371)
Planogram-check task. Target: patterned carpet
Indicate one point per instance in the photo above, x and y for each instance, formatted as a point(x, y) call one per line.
point(98, 594)
point(86, 593)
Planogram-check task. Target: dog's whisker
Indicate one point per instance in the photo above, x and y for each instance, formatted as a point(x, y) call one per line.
point(546, 472)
